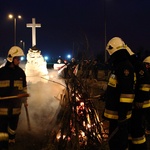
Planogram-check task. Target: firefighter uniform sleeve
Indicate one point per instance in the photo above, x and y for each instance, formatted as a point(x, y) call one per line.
point(125, 78)
point(142, 88)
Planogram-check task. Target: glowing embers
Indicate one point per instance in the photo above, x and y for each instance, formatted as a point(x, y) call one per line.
point(80, 125)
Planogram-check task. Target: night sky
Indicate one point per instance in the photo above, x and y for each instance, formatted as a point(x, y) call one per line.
point(68, 26)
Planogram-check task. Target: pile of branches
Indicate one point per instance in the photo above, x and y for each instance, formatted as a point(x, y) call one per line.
point(79, 126)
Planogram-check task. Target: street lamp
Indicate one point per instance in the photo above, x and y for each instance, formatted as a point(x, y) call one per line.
point(105, 33)
point(11, 16)
point(22, 44)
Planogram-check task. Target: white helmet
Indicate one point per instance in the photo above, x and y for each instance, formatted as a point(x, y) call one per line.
point(129, 50)
point(114, 45)
point(14, 51)
point(72, 59)
point(59, 61)
point(147, 60)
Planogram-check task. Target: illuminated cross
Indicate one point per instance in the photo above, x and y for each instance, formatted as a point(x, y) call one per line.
point(33, 25)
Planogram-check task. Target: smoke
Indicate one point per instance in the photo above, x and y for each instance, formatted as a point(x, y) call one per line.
point(43, 103)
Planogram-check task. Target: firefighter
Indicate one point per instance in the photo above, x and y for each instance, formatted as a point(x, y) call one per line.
point(12, 84)
point(94, 69)
point(147, 63)
point(119, 94)
point(71, 66)
point(141, 103)
point(147, 113)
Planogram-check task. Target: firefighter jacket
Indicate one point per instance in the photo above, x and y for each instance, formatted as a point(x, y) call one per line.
point(120, 89)
point(12, 83)
point(142, 83)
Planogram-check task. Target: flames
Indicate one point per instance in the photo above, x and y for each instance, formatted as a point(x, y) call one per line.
point(80, 125)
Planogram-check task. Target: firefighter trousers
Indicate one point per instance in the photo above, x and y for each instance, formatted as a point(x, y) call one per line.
point(119, 141)
point(137, 139)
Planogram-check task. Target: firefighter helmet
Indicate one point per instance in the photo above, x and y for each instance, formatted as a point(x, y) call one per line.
point(147, 60)
point(72, 59)
point(129, 50)
point(14, 51)
point(59, 61)
point(114, 45)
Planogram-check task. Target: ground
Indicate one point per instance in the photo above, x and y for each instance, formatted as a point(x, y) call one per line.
point(44, 107)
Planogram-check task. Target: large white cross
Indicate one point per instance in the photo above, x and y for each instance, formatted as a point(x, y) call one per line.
point(33, 25)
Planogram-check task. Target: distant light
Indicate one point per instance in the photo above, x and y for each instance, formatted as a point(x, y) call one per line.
point(19, 16)
point(46, 58)
point(10, 16)
point(68, 56)
point(22, 58)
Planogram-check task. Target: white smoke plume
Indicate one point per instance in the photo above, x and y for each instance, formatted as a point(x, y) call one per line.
point(43, 103)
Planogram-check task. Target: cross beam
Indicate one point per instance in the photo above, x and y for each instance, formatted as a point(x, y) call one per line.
point(33, 25)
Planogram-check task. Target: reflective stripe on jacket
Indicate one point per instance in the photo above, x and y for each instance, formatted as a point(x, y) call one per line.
point(114, 114)
point(127, 98)
point(15, 111)
point(3, 136)
point(139, 140)
point(145, 87)
point(120, 89)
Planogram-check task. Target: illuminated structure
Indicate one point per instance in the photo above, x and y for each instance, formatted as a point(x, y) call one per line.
point(36, 65)
point(33, 25)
